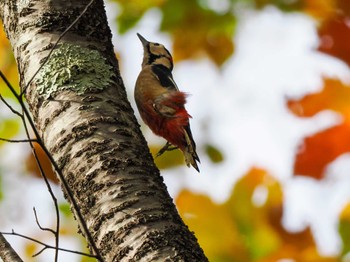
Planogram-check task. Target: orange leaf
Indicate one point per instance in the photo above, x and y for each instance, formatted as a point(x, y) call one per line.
point(321, 149)
point(334, 37)
point(45, 163)
point(334, 96)
point(7, 64)
point(344, 7)
point(241, 230)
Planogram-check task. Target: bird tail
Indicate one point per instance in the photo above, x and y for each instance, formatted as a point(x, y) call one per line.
point(189, 151)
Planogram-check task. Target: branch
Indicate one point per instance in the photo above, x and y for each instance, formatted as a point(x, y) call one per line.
point(7, 104)
point(42, 228)
point(53, 197)
point(19, 140)
point(46, 246)
point(7, 253)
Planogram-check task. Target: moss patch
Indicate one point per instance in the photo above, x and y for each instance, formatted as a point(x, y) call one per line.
point(72, 67)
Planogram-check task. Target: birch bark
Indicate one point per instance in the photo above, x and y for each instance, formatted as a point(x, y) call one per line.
point(79, 106)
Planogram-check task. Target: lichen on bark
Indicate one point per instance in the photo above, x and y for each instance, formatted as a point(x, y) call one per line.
point(72, 67)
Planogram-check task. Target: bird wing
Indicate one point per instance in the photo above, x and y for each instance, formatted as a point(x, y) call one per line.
point(164, 76)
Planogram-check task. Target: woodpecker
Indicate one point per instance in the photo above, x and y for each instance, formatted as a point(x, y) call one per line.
point(161, 104)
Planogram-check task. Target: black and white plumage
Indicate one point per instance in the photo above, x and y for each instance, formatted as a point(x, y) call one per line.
point(161, 104)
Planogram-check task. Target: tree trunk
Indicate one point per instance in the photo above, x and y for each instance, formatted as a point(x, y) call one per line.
point(79, 106)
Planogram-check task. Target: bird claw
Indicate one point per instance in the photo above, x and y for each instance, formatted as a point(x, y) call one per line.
point(166, 147)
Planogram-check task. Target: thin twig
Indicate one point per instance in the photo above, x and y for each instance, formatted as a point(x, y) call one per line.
point(42, 228)
point(18, 140)
point(9, 106)
point(13, 233)
point(53, 197)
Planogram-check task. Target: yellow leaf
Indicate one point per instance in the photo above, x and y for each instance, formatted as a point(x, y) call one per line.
point(169, 159)
point(213, 226)
point(320, 9)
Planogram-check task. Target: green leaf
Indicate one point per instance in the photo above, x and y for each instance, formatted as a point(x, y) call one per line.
point(65, 209)
point(344, 229)
point(133, 11)
point(214, 153)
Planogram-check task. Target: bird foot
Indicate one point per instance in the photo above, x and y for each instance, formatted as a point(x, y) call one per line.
point(166, 147)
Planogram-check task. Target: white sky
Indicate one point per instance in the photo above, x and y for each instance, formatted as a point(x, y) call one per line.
point(243, 107)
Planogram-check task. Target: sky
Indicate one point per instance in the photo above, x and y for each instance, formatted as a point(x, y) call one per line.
point(243, 109)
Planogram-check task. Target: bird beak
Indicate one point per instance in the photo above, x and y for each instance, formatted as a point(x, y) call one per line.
point(142, 39)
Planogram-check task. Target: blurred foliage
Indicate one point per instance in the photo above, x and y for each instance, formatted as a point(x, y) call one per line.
point(9, 127)
point(320, 149)
point(199, 29)
point(169, 159)
point(65, 209)
point(7, 64)
point(334, 37)
point(344, 229)
point(243, 230)
point(32, 167)
point(214, 154)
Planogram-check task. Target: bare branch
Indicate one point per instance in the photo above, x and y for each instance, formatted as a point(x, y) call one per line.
point(8, 105)
point(39, 252)
point(46, 246)
point(53, 197)
point(42, 228)
point(18, 140)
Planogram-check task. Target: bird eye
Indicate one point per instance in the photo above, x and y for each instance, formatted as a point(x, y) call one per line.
point(156, 44)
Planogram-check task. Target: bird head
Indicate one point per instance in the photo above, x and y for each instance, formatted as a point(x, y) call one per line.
point(155, 54)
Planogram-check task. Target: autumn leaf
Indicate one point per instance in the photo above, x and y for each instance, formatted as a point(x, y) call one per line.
point(169, 159)
point(334, 37)
point(318, 150)
point(7, 65)
point(335, 95)
point(214, 227)
point(344, 229)
point(248, 226)
point(344, 7)
point(33, 168)
point(253, 219)
point(197, 30)
point(132, 11)
point(321, 9)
